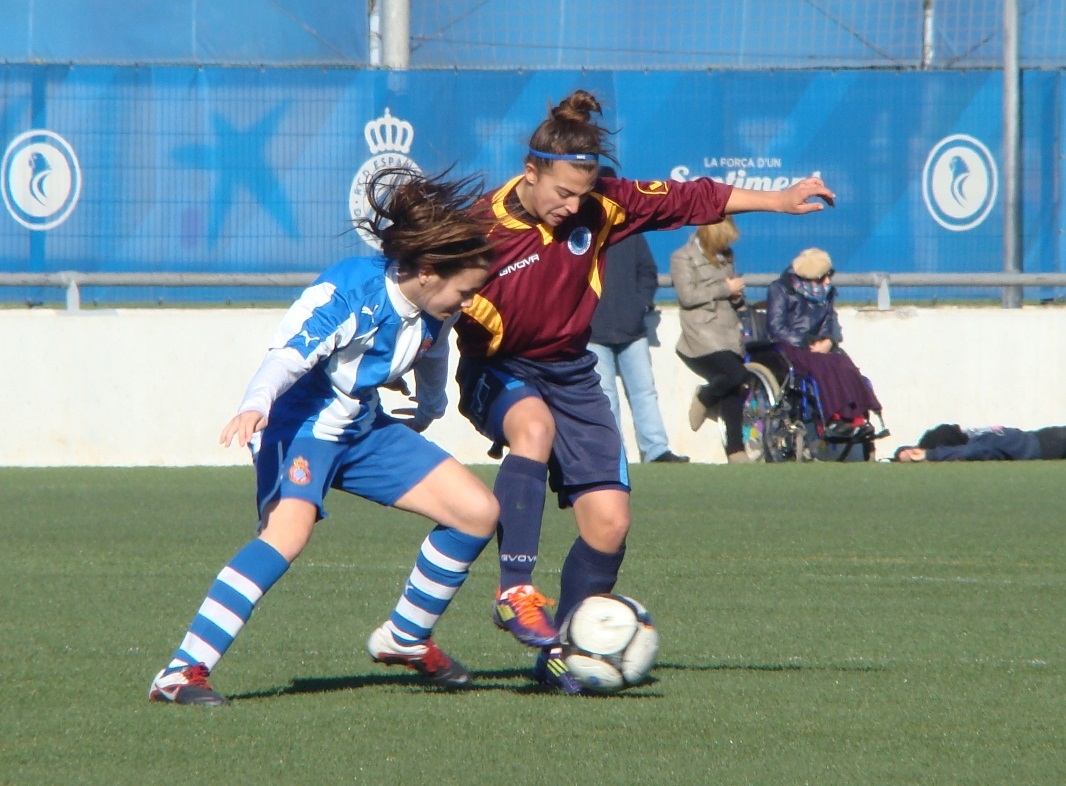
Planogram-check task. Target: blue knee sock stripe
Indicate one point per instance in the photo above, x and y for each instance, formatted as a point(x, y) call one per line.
point(261, 563)
point(460, 546)
point(233, 600)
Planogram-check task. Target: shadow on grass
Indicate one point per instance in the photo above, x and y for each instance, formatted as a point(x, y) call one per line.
point(486, 680)
point(849, 667)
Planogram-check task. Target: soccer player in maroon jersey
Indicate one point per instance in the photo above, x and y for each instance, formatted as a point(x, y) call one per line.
point(526, 376)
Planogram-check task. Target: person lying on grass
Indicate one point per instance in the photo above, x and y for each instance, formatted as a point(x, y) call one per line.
point(949, 442)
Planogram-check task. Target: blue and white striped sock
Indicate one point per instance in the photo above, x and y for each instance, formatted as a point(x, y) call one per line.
point(229, 604)
point(441, 568)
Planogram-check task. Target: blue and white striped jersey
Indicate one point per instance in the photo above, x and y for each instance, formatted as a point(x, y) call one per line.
point(348, 333)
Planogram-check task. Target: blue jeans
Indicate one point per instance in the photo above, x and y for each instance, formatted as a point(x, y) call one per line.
point(632, 362)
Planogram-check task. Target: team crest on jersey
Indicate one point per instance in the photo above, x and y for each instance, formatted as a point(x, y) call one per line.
point(389, 140)
point(41, 179)
point(652, 187)
point(580, 241)
point(300, 471)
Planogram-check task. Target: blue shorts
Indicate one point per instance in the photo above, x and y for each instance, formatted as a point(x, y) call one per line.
point(587, 453)
point(381, 465)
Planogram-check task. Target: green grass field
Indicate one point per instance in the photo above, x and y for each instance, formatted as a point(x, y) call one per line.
point(821, 624)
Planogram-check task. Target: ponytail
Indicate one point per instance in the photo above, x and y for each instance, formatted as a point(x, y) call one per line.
point(570, 135)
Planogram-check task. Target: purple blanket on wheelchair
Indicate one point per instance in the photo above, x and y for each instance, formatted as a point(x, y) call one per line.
point(842, 388)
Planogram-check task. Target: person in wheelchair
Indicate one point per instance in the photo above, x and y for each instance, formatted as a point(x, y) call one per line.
point(802, 320)
point(710, 294)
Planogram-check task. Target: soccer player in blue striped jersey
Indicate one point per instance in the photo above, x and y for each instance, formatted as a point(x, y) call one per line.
point(361, 325)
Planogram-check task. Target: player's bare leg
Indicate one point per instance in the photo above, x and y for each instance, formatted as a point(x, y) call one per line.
point(603, 519)
point(453, 496)
point(530, 429)
point(288, 525)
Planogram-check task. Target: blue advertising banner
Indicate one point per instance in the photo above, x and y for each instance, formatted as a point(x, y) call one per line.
point(169, 169)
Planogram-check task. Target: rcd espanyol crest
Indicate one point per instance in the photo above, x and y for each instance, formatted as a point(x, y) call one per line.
point(389, 139)
point(41, 179)
point(959, 182)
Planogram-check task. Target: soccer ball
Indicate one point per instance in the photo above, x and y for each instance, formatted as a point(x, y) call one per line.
point(609, 642)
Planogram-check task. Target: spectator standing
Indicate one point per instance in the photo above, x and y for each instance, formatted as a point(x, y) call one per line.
point(620, 341)
point(711, 295)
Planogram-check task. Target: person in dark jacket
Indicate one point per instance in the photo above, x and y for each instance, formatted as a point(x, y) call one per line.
point(620, 341)
point(948, 442)
point(801, 318)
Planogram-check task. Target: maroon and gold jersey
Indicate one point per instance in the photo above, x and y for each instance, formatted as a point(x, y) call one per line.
point(545, 282)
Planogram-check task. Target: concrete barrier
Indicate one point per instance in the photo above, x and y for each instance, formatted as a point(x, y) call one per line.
point(146, 387)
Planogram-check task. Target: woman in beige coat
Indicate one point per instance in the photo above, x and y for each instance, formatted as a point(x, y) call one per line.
point(710, 293)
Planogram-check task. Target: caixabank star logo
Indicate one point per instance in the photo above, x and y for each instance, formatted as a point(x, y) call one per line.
point(41, 179)
point(389, 140)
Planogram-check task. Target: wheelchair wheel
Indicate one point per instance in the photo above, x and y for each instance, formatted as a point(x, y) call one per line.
point(760, 413)
point(782, 439)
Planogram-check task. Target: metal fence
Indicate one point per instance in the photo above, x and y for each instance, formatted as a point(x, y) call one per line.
point(73, 282)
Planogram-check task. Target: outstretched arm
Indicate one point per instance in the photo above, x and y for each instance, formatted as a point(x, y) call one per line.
point(794, 199)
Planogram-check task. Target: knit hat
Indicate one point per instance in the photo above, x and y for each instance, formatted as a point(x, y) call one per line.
point(812, 264)
point(946, 435)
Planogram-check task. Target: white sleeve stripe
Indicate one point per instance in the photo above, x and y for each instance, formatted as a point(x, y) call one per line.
point(243, 585)
point(292, 323)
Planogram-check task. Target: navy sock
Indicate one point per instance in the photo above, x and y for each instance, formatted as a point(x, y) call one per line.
point(520, 487)
point(586, 572)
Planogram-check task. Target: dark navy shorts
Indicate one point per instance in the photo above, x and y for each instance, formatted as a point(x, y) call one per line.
point(587, 454)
